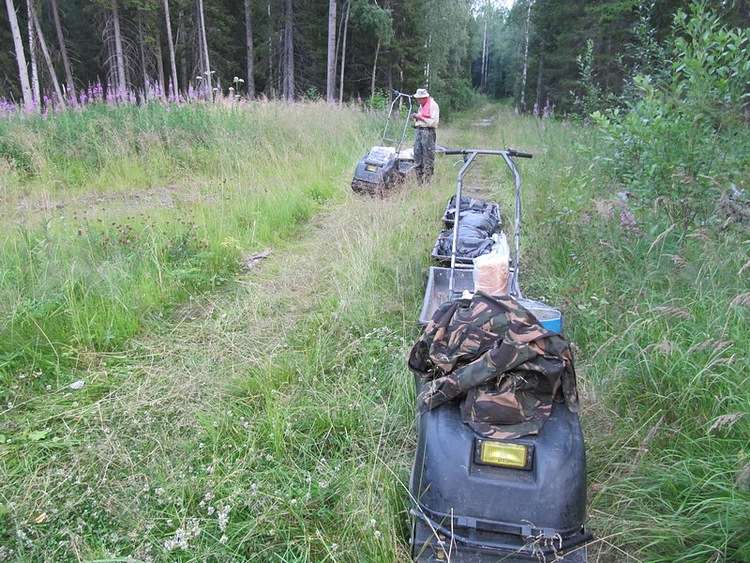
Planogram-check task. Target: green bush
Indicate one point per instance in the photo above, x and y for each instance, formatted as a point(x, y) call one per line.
point(455, 95)
point(684, 139)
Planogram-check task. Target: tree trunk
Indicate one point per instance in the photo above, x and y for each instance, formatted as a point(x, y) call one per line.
point(181, 48)
point(160, 64)
point(288, 85)
point(374, 72)
point(35, 90)
point(482, 84)
point(539, 79)
point(339, 33)
point(269, 78)
point(525, 58)
point(23, 72)
point(428, 48)
point(142, 50)
point(63, 50)
point(122, 83)
point(343, 52)
point(279, 50)
point(331, 64)
point(204, 49)
point(250, 78)
point(47, 58)
point(487, 64)
point(175, 88)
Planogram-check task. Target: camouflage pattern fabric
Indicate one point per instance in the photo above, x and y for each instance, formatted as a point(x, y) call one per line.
point(424, 152)
point(494, 354)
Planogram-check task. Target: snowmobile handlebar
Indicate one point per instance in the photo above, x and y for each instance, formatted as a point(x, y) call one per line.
point(398, 94)
point(519, 154)
point(395, 107)
point(510, 152)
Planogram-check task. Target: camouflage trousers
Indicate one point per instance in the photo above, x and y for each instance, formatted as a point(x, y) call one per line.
point(424, 152)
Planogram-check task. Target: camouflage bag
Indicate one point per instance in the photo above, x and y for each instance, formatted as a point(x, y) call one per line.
point(494, 354)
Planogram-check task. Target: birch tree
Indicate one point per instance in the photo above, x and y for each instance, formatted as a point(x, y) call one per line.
point(122, 84)
point(250, 78)
point(331, 61)
point(373, 22)
point(174, 87)
point(522, 105)
point(483, 76)
point(203, 47)
point(160, 64)
point(343, 51)
point(47, 57)
point(23, 72)
point(35, 90)
point(70, 84)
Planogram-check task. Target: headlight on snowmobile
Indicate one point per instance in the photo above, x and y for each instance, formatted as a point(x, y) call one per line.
point(503, 454)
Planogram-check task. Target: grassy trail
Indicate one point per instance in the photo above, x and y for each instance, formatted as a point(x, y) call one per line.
point(269, 421)
point(272, 419)
point(197, 419)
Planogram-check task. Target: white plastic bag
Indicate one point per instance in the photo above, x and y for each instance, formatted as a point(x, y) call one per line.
point(492, 270)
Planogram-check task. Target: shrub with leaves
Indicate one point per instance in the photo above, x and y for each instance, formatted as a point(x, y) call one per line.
point(684, 140)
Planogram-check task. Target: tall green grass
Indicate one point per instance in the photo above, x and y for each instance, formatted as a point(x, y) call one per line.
point(86, 278)
point(306, 448)
point(660, 315)
point(290, 402)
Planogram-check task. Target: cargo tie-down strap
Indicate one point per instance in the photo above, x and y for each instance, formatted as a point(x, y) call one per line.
point(507, 367)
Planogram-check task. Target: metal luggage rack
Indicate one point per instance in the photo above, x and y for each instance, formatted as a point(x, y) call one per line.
point(448, 283)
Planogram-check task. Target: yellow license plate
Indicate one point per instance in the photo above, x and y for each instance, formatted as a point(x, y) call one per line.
point(371, 168)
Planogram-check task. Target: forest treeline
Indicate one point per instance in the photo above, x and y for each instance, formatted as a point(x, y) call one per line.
point(53, 50)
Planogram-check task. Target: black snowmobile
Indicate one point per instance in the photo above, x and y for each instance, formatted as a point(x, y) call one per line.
point(387, 164)
point(482, 500)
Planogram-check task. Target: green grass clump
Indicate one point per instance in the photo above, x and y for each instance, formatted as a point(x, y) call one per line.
point(277, 428)
point(86, 278)
point(660, 314)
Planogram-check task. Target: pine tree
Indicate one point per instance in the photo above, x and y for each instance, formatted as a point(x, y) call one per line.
point(331, 53)
point(70, 84)
point(249, 52)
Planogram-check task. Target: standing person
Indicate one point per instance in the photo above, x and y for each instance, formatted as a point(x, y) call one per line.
point(425, 121)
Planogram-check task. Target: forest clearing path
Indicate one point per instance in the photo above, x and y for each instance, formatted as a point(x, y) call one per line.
point(146, 431)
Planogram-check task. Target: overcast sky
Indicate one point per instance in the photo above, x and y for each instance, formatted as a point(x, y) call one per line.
point(506, 3)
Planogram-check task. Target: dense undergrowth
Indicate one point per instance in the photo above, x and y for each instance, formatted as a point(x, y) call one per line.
point(661, 318)
point(654, 277)
point(206, 185)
